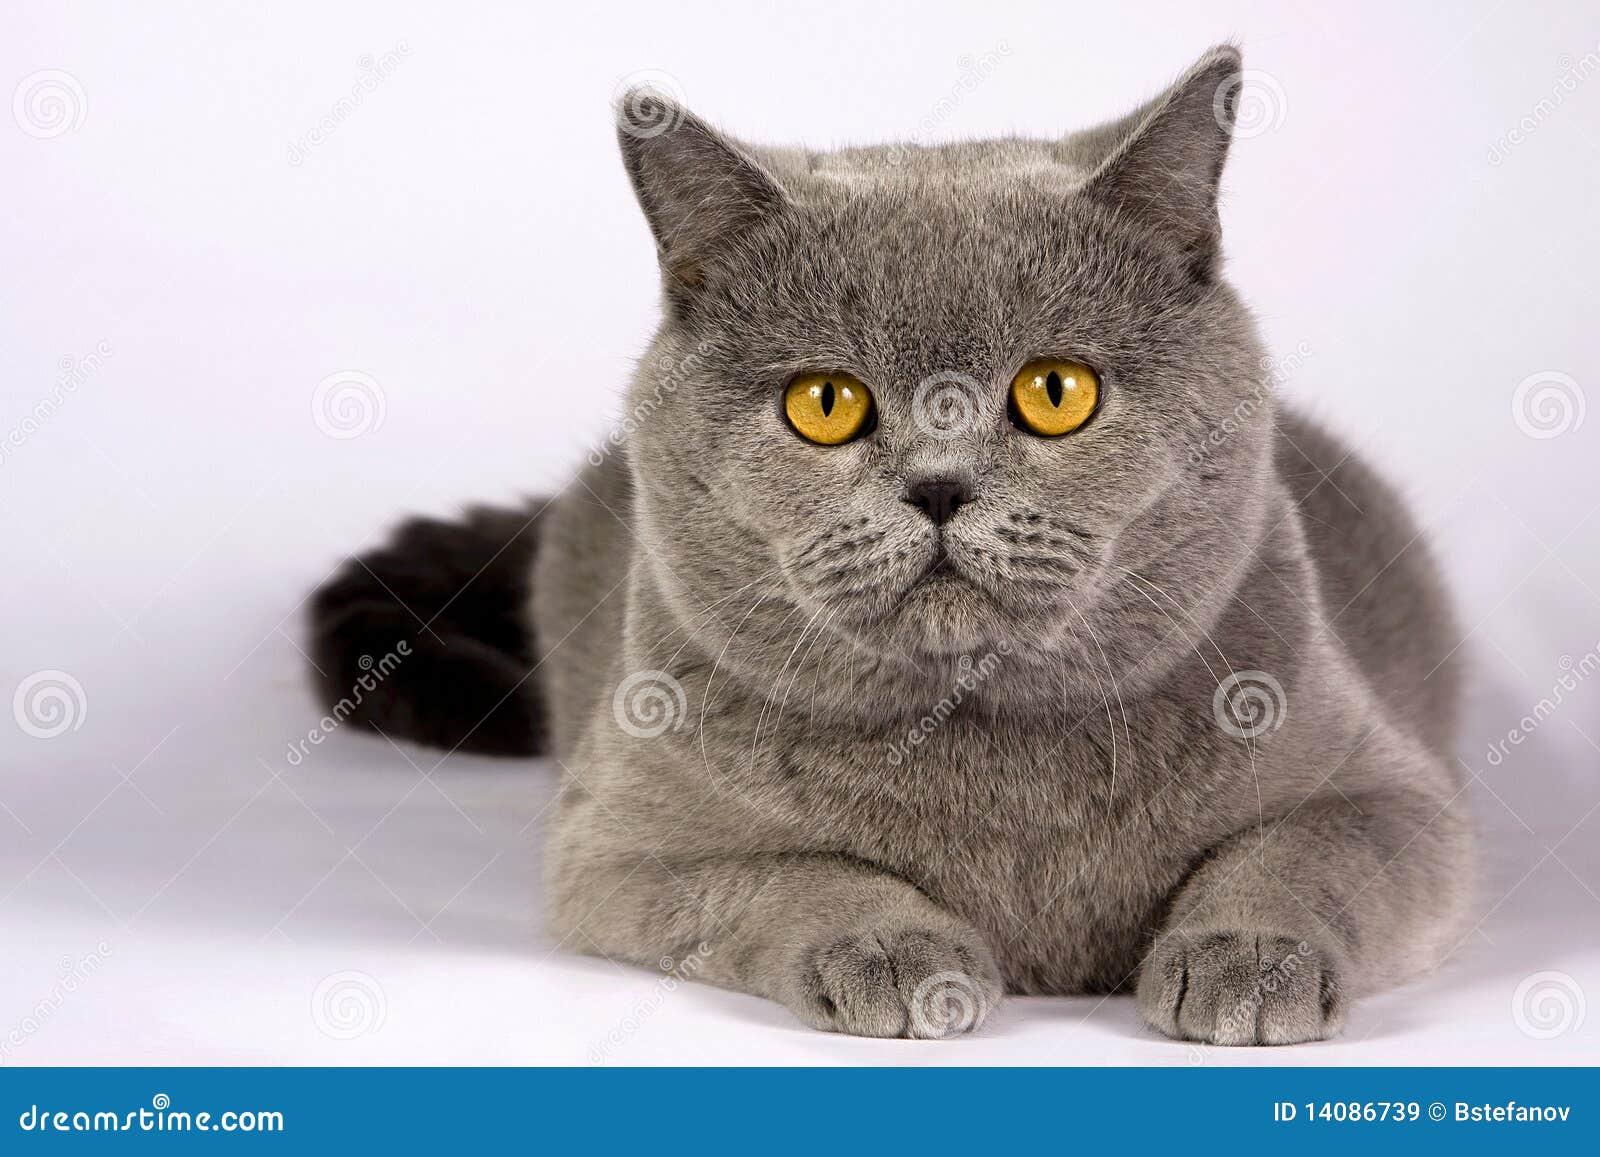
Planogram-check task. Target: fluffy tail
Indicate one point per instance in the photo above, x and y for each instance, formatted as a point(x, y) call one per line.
point(456, 594)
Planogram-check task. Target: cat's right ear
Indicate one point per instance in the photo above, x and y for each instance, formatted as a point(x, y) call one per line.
point(1162, 164)
point(699, 190)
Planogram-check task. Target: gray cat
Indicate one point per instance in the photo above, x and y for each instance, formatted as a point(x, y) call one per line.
point(957, 612)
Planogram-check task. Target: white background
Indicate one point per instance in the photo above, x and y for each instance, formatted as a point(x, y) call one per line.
point(467, 239)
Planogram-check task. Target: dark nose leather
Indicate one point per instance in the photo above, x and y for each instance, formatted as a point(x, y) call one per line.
point(938, 498)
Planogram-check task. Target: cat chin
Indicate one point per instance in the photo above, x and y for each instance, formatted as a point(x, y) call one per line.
point(947, 617)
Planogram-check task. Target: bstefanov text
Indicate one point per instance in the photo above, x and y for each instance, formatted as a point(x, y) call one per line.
point(1465, 1112)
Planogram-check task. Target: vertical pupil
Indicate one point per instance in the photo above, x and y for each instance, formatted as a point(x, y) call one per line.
point(1052, 386)
point(827, 399)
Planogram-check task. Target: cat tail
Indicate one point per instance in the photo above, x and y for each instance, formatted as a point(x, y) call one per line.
point(429, 639)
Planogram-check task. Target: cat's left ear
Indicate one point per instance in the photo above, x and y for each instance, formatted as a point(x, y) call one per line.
point(1167, 169)
point(699, 190)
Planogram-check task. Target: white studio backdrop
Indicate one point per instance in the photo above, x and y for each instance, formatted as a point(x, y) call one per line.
point(274, 276)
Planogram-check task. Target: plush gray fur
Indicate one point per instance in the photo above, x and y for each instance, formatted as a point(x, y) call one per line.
point(739, 643)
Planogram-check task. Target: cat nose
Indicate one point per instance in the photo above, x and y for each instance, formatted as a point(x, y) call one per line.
point(938, 498)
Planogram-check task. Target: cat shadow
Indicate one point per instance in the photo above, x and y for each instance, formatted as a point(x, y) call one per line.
point(1525, 920)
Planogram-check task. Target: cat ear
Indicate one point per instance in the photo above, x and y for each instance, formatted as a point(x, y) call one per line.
point(1167, 164)
point(698, 188)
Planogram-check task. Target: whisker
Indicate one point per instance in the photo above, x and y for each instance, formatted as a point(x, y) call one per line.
point(699, 618)
point(1111, 676)
point(755, 746)
point(1250, 748)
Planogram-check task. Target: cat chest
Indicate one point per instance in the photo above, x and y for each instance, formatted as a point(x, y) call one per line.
point(982, 816)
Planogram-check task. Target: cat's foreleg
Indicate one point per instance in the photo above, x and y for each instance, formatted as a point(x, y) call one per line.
point(845, 946)
point(1272, 935)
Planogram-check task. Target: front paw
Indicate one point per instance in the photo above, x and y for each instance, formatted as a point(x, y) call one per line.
point(915, 981)
point(1241, 988)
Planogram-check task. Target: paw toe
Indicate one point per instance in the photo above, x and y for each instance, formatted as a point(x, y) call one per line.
point(1241, 988)
point(913, 983)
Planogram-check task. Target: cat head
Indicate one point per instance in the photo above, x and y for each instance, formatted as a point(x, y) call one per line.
point(941, 398)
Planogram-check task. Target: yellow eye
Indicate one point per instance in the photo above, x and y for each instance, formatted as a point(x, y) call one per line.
point(1052, 397)
point(828, 409)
